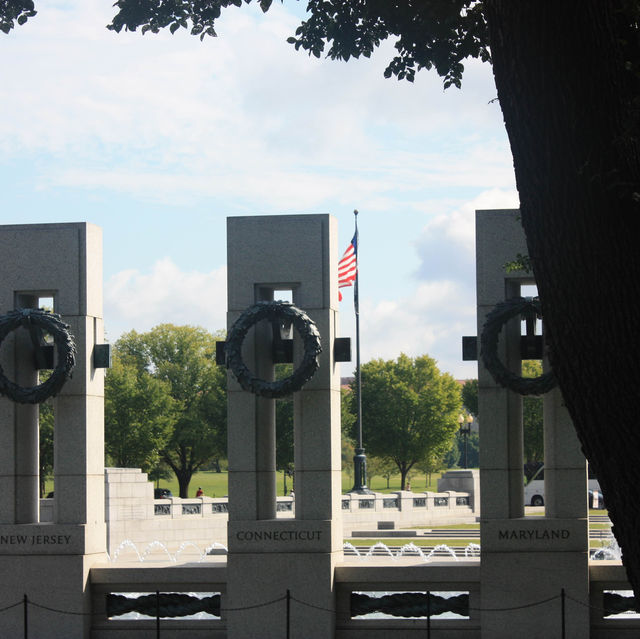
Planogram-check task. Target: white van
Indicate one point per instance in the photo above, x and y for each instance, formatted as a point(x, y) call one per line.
point(534, 490)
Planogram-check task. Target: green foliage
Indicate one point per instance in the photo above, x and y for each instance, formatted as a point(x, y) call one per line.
point(284, 430)
point(451, 459)
point(348, 425)
point(183, 358)
point(521, 263)
point(410, 410)
point(46, 421)
point(470, 396)
point(380, 467)
point(439, 34)
point(532, 417)
point(12, 11)
point(153, 15)
point(348, 413)
point(473, 450)
point(139, 413)
point(160, 472)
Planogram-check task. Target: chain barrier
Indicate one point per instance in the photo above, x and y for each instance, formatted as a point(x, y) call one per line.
point(388, 604)
point(261, 605)
point(57, 610)
point(308, 605)
point(15, 605)
point(530, 605)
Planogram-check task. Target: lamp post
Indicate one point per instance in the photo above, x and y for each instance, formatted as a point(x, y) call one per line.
point(465, 430)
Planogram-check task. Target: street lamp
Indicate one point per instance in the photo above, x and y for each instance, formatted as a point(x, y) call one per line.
point(465, 430)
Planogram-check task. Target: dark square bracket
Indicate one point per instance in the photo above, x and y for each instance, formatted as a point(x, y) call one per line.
point(102, 356)
point(531, 347)
point(220, 356)
point(469, 348)
point(342, 349)
point(44, 357)
point(283, 351)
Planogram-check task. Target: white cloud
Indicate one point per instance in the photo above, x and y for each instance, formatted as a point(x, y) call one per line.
point(243, 116)
point(140, 301)
point(447, 244)
point(432, 320)
point(243, 124)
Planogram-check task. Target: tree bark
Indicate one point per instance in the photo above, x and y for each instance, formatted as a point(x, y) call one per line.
point(184, 479)
point(567, 95)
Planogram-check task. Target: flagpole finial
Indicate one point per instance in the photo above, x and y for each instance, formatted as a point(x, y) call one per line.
point(355, 212)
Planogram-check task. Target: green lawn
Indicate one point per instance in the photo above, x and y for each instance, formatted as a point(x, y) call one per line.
point(379, 484)
point(215, 484)
point(420, 543)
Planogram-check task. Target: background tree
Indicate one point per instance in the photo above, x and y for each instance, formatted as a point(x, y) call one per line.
point(450, 458)
point(380, 467)
point(46, 421)
point(433, 463)
point(347, 423)
point(284, 430)
point(532, 419)
point(160, 471)
point(138, 415)
point(183, 358)
point(409, 410)
point(473, 450)
point(470, 396)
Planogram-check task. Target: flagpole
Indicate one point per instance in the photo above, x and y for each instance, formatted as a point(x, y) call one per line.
point(359, 459)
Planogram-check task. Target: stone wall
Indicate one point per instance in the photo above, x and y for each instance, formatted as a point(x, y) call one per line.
point(136, 521)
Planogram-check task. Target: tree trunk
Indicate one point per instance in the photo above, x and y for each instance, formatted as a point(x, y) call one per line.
point(184, 479)
point(404, 469)
point(567, 101)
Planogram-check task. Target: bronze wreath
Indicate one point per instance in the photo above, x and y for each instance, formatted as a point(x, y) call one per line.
point(503, 312)
point(273, 311)
point(65, 347)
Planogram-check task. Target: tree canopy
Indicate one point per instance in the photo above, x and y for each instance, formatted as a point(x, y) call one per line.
point(470, 396)
point(532, 418)
point(409, 410)
point(45, 422)
point(139, 413)
point(183, 359)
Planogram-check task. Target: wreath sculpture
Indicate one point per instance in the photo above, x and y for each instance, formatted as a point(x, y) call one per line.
point(496, 319)
point(63, 340)
point(273, 311)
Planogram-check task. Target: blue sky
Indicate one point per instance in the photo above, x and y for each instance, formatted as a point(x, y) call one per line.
point(158, 139)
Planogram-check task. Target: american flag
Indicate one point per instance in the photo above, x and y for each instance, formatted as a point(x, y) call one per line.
point(348, 265)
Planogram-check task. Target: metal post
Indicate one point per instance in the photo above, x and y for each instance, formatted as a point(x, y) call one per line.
point(428, 615)
point(466, 440)
point(26, 617)
point(157, 614)
point(288, 613)
point(562, 611)
point(359, 459)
